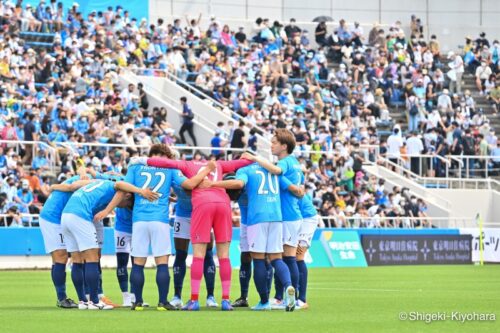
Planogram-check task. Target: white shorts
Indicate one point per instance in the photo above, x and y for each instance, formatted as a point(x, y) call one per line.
point(265, 237)
point(99, 227)
point(306, 231)
point(291, 233)
point(156, 234)
point(79, 235)
point(123, 242)
point(182, 227)
point(244, 238)
point(52, 236)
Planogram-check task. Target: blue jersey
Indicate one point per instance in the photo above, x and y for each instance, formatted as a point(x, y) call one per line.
point(306, 206)
point(91, 199)
point(262, 189)
point(107, 176)
point(159, 180)
point(57, 200)
point(292, 170)
point(183, 207)
point(243, 204)
point(123, 220)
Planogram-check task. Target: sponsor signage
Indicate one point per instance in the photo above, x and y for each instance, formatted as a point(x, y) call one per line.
point(491, 243)
point(343, 248)
point(417, 249)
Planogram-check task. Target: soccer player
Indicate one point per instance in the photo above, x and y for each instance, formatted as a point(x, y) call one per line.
point(123, 239)
point(282, 146)
point(264, 229)
point(211, 209)
point(306, 233)
point(182, 227)
point(80, 232)
point(50, 226)
point(150, 225)
point(245, 256)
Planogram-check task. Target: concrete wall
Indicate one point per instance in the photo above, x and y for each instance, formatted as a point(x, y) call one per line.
point(468, 203)
point(450, 20)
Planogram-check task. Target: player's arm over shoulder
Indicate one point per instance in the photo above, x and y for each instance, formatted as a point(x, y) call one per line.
point(268, 165)
point(193, 182)
point(71, 187)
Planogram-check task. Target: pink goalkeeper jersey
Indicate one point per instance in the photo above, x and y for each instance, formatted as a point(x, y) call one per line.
point(192, 168)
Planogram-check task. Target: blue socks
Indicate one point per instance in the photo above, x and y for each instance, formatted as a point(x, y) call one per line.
point(291, 262)
point(99, 286)
point(59, 280)
point(163, 282)
point(281, 276)
point(302, 280)
point(92, 280)
point(179, 271)
point(269, 281)
point(78, 281)
point(278, 287)
point(260, 279)
point(245, 276)
point(137, 281)
point(121, 270)
point(209, 272)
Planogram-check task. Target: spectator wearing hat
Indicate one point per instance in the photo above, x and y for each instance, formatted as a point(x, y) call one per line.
point(456, 72)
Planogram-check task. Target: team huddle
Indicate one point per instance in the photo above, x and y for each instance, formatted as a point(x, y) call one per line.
point(278, 221)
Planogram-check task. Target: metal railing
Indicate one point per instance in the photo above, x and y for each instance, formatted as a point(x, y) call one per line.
point(386, 222)
point(194, 90)
point(403, 172)
point(34, 146)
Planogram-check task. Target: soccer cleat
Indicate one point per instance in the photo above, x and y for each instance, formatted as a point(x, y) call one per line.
point(107, 301)
point(277, 304)
point(67, 303)
point(290, 299)
point(165, 307)
point(146, 305)
point(240, 303)
point(82, 305)
point(262, 307)
point(138, 306)
point(99, 306)
point(177, 302)
point(226, 305)
point(191, 306)
point(211, 303)
point(301, 305)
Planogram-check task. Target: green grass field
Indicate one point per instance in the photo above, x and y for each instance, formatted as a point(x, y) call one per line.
point(341, 300)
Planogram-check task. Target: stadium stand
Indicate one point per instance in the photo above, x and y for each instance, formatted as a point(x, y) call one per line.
point(351, 97)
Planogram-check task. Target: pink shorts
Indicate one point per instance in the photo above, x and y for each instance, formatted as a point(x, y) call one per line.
point(216, 216)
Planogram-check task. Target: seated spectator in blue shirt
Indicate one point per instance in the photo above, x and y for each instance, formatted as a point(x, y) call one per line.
point(57, 135)
point(40, 161)
point(82, 125)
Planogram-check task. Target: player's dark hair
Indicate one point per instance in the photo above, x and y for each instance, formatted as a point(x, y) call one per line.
point(285, 137)
point(160, 149)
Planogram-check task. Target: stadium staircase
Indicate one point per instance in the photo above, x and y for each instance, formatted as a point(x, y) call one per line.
point(168, 90)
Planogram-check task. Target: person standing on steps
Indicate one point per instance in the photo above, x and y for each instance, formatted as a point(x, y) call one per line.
point(187, 121)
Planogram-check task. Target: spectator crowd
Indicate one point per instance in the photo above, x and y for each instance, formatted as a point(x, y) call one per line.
point(334, 90)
